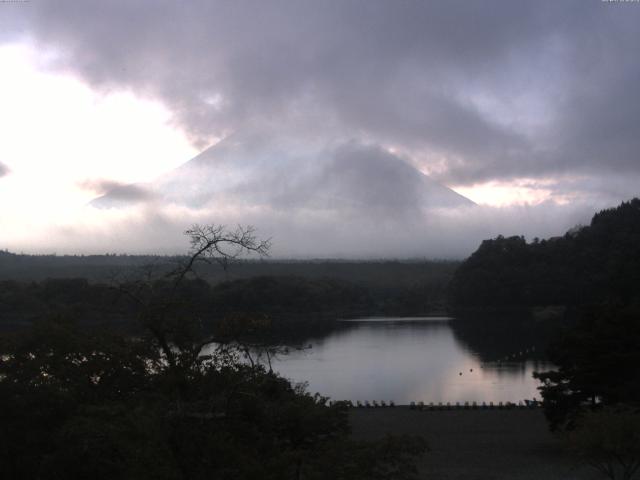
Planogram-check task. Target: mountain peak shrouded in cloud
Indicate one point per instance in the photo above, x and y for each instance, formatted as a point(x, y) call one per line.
point(488, 98)
point(288, 175)
point(292, 187)
point(280, 175)
point(474, 92)
point(344, 199)
point(341, 199)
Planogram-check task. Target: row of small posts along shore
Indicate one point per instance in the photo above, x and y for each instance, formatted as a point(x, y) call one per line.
point(522, 354)
point(525, 404)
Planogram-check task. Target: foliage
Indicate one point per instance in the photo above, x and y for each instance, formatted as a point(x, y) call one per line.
point(597, 364)
point(588, 265)
point(77, 403)
point(285, 296)
point(609, 441)
point(172, 401)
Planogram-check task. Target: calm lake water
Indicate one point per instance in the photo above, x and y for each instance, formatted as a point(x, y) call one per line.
point(418, 359)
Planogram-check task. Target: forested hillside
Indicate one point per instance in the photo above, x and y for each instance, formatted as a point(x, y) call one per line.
point(587, 265)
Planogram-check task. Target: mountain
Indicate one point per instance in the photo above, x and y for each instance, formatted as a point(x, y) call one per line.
point(274, 174)
point(342, 200)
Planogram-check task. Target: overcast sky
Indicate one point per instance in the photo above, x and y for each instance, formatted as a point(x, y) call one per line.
point(529, 109)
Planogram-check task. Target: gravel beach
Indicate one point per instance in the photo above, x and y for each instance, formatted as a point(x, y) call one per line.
point(476, 444)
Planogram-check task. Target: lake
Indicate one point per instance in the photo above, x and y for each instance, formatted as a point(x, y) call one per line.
point(429, 359)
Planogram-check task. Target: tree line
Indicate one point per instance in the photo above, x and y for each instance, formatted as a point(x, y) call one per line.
point(293, 302)
point(591, 264)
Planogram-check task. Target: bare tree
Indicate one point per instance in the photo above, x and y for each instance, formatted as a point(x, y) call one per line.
point(214, 243)
point(157, 295)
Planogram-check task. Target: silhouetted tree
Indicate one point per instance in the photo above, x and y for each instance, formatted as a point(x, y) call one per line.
point(592, 264)
point(81, 402)
point(597, 365)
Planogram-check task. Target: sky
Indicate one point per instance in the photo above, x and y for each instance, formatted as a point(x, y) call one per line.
point(528, 109)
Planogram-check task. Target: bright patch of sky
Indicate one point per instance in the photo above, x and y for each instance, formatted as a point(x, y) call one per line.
point(57, 134)
point(521, 191)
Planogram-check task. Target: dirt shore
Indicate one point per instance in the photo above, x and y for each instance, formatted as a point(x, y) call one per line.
point(476, 444)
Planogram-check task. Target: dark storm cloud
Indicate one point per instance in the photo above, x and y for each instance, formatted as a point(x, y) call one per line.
point(4, 170)
point(480, 90)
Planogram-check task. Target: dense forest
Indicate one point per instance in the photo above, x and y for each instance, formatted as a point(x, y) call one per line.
point(106, 268)
point(295, 294)
point(587, 265)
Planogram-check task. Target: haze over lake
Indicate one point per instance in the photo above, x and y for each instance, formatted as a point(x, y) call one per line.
point(404, 360)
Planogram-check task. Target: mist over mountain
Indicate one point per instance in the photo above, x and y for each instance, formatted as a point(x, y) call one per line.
point(330, 113)
point(347, 198)
point(348, 178)
point(315, 199)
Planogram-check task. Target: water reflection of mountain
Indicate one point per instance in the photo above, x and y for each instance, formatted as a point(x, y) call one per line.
point(506, 339)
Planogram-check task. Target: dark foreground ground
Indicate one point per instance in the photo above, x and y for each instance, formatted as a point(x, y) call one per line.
point(476, 444)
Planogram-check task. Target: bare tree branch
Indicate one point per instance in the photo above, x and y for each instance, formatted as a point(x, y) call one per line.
point(157, 297)
point(216, 243)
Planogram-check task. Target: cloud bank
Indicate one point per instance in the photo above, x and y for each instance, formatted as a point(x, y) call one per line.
point(475, 91)
point(346, 200)
point(468, 92)
point(444, 234)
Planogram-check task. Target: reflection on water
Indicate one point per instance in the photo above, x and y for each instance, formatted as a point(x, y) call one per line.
point(405, 361)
